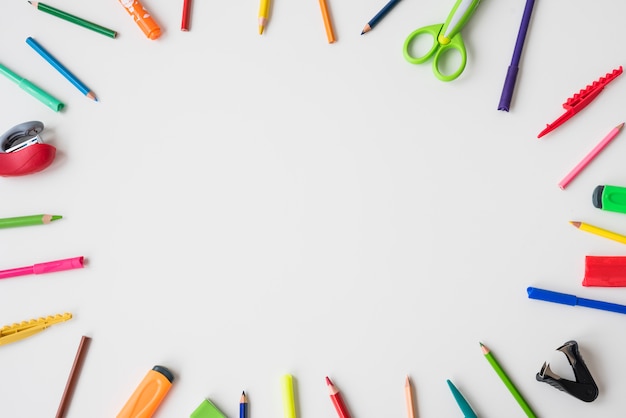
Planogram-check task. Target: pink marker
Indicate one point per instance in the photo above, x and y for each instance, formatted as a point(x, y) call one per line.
point(41, 268)
point(594, 152)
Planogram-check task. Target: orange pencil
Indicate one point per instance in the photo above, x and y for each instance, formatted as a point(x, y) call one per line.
point(142, 18)
point(327, 23)
point(408, 394)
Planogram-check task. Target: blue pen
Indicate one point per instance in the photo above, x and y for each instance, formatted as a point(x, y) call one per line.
point(60, 68)
point(565, 299)
point(467, 410)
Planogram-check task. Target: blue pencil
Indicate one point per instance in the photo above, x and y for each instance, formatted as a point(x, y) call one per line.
point(60, 68)
point(370, 25)
point(243, 406)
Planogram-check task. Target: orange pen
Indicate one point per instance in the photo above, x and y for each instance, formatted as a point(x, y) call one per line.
point(149, 394)
point(142, 18)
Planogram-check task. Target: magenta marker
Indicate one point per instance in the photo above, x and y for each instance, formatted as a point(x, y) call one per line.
point(41, 268)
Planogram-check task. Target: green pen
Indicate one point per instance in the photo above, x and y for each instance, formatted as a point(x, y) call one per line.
point(611, 198)
point(37, 92)
point(28, 220)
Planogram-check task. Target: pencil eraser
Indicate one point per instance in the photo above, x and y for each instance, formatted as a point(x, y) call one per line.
point(207, 410)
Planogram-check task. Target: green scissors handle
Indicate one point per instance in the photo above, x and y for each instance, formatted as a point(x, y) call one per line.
point(445, 36)
point(437, 50)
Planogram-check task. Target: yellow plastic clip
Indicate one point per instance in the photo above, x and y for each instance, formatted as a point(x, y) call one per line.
point(12, 333)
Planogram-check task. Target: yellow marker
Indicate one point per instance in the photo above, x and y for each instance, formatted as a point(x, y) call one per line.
point(289, 403)
point(12, 333)
point(599, 231)
point(264, 10)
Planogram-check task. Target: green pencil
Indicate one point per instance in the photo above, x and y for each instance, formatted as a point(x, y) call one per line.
point(507, 382)
point(74, 19)
point(28, 220)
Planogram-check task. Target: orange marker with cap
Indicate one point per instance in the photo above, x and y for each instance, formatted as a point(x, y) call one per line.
point(149, 394)
point(142, 18)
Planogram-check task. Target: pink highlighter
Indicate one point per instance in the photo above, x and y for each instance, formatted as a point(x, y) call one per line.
point(41, 268)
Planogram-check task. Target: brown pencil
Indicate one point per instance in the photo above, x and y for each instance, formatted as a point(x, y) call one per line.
point(73, 378)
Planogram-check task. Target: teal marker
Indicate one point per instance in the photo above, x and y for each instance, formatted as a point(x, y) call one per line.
point(467, 410)
point(611, 198)
point(30, 88)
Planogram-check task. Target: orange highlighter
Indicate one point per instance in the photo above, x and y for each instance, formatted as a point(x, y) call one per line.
point(149, 394)
point(142, 18)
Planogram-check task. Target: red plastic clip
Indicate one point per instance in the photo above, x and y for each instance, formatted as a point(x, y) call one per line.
point(580, 100)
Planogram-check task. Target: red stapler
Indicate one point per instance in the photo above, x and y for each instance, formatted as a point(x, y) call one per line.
point(22, 150)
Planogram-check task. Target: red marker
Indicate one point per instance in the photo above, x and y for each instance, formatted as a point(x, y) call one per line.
point(335, 396)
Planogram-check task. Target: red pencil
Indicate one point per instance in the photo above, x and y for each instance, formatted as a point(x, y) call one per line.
point(184, 26)
point(335, 396)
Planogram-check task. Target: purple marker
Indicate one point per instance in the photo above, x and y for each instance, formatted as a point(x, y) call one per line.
point(511, 74)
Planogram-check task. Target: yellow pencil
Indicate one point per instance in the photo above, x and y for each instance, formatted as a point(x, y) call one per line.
point(264, 10)
point(599, 231)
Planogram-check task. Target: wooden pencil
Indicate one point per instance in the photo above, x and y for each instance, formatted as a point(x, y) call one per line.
point(408, 395)
point(73, 377)
point(328, 25)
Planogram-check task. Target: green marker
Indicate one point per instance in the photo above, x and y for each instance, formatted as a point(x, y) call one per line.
point(611, 198)
point(35, 91)
point(28, 220)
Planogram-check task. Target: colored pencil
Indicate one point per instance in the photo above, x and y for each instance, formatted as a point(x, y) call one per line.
point(589, 157)
point(379, 16)
point(338, 403)
point(328, 25)
point(74, 19)
point(28, 220)
point(599, 231)
point(264, 10)
point(507, 382)
point(73, 377)
point(35, 91)
point(511, 74)
point(289, 402)
point(60, 68)
point(408, 395)
point(243, 406)
point(184, 25)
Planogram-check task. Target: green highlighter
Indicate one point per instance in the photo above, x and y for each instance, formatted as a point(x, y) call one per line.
point(611, 198)
point(207, 410)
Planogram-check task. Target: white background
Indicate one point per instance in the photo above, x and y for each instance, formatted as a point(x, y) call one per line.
point(251, 206)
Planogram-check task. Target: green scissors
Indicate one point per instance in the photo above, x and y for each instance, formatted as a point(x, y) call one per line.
point(445, 37)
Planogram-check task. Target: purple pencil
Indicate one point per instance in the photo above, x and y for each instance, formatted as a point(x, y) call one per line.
point(511, 74)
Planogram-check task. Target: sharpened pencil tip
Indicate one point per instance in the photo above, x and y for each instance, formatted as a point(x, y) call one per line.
point(575, 223)
point(366, 29)
point(56, 217)
point(620, 126)
point(328, 382)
